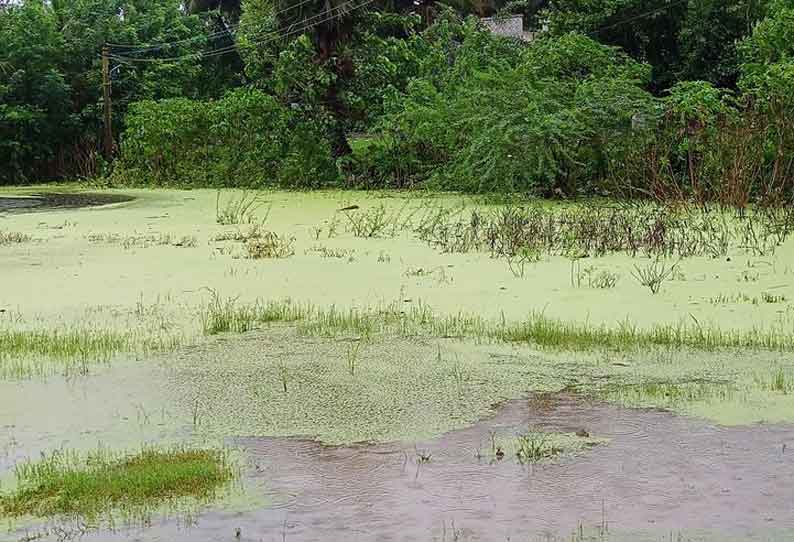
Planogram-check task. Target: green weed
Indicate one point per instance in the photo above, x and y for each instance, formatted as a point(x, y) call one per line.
point(269, 245)
point(239, 210)
point(101, 482)
point(537, 329)
point(533, 447)
point(143, 240)
point(654, 274)
point(11, 237)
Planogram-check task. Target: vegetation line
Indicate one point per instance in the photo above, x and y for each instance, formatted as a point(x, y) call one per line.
point(24, 353)
point(221, 316)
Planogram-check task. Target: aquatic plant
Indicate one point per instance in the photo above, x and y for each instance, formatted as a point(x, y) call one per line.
point(73, 350)
point(352, 357)
point(12, 237)
point(221, 315)
point(69, 484)
point(239, 209)
point(654, 274)
point(535, 446)
point(143, 240)
point(517, 262)
point(603, 279)
point(597, 230)
point(269, 245)
point(328, 252)
point(283, 375)
point(537, 329)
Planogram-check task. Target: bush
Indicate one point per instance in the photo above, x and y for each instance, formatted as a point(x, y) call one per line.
point(245, 139)
point(548, 120)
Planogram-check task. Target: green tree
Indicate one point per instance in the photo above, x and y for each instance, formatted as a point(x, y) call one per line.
point(767, 79)
point(52, 81)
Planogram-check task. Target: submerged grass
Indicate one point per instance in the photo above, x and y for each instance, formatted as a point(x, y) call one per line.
point(39, 352)
point(12, 237)
point(102, 482)
point(597, 230)
point(537, 329)
point(71, 344)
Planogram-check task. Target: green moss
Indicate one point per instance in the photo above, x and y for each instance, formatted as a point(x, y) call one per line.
point(66, 484)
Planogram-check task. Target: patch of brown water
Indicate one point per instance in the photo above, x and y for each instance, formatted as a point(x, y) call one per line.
point(659, 474)
point(51, 200)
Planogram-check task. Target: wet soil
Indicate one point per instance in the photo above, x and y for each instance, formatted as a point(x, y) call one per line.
point(659, 474)
point(52, 201)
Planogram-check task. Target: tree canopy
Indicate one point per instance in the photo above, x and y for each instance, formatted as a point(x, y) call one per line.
point(609, 90)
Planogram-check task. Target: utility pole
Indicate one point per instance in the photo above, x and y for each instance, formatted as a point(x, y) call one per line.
point(108, 127)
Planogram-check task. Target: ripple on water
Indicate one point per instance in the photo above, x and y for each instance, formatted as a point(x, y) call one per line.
point(658, 474)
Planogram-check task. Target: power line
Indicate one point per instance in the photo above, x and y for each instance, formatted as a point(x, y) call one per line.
point(272, 36)
point(138, 49)
point(307, 23)
point(228, 48)
point(640, 16)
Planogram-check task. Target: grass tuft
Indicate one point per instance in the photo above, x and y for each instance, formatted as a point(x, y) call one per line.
point(238, 210)
point(11, 237)
point(40, 352)
point(73, 485)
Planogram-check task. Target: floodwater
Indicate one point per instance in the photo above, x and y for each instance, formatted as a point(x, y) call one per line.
point(660, 474)
point(50, 201)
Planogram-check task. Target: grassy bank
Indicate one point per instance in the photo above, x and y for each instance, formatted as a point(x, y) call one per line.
point(104, 482)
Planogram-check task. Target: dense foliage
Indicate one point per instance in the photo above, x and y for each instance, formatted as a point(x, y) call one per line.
point(675, 99)
point(50, 77)
point(244, 139)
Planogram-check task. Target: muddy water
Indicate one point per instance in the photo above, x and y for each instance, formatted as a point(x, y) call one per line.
point(659, 474)
point(50, 201)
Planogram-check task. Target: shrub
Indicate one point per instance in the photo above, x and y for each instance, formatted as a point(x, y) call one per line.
point(245, 139)
point(515, 122)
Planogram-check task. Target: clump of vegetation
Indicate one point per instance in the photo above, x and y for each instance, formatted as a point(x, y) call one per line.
point(538, 329)
point(377, 221)
point(143, 240)
point(517, 263)
point(651, 230)
point(780, 381)
point(351, 357)
point(439, 273)
point(666, 393)
point(240, 234)
point(12, 237)
point(246, 138)
point(337, 253)
point(603, 279)
point(238, 209)
point(227, 315)
point(269, 245)
point(103, 482)
point(766, 297)
point(72, 351)
point(258, 243)
point(74, 348)
point(534, 447)
point(654, 274)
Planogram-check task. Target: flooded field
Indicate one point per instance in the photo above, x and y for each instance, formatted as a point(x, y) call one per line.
point(391, 366)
